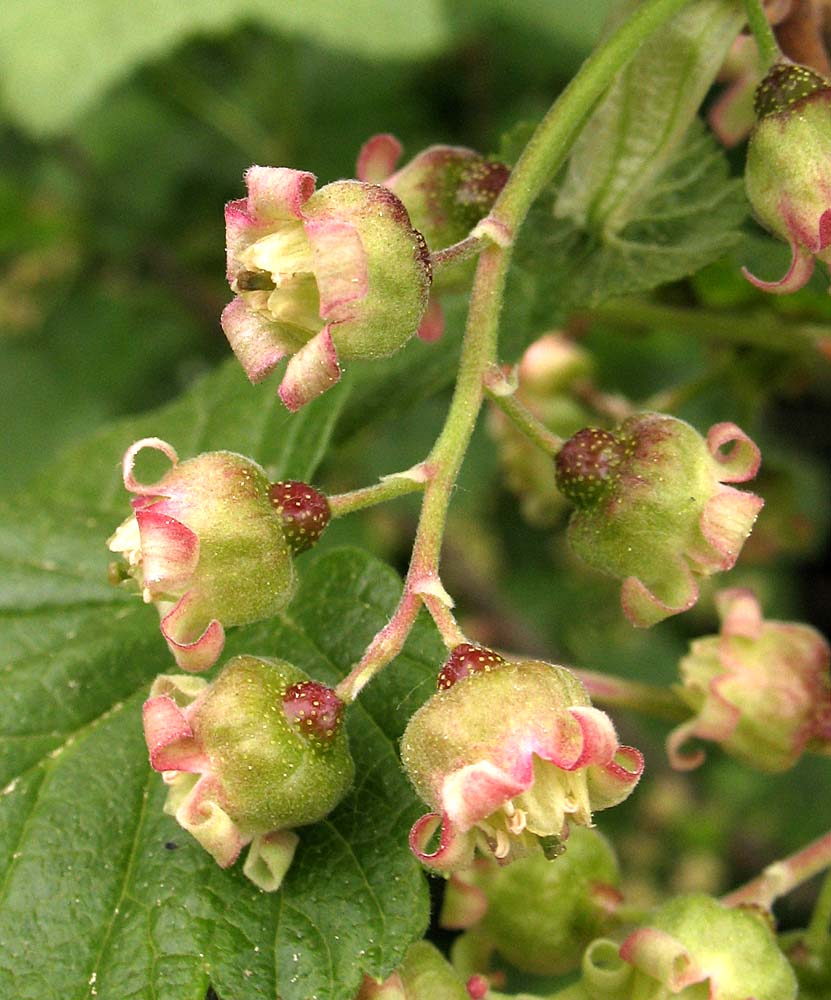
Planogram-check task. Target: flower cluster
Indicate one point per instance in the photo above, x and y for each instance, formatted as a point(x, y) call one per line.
point(653, 507)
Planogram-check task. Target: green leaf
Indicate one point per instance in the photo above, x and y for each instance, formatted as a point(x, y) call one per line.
point(101, 895)
point(79, 50)
point(688, 218)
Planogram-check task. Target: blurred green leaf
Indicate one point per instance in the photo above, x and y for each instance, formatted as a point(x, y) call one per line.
point(76, 51)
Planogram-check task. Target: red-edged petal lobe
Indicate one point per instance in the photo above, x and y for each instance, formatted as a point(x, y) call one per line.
point(169, 737)
point(254, 340)
point(800, 270)
point(600, 742)
point(454, 851)
point(644, 609)
point(278, 194)
point(741, 462)
point(340, 267)
point(202, 816)
point(740, 613)
point(612, 783)
point(169, 553)
point(473, 792)
point(726, 521)
point(195, 647)
point(377, 158)
point(311, 371)
point(129, 461)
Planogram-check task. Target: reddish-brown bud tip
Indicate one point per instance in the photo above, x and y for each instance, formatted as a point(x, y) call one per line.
point(314, 709)
point(586, 465)
point(785, 85)
point(466, 659)
point(305, 512)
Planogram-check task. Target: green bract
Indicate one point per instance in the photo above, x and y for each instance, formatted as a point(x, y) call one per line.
point(240, 768)
point(652, 507)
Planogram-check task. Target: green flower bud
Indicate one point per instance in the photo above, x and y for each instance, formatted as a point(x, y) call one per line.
point(249, 757)
point(423, 975)
point(652, 507)
point(207, 546)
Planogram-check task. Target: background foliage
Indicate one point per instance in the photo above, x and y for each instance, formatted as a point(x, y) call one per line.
point(124, 129)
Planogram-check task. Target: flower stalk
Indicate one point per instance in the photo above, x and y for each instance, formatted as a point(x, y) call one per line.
point(782, 877)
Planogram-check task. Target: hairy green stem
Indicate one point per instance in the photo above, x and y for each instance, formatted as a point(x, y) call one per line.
point(759, 25)
point(658, 702)
point(465, 249)
point(816, 934)
point(783, 876)
point(390, 487)
point(540, 160)
point(524, 420)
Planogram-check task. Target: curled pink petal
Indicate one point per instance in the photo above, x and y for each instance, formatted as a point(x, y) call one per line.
point(310, 372)
point(662, 957)
point(455, 850)
point(611, 783)
point(643, 608)
point(169, 737)
point(169, 553)
point(254, 340)
point(600, 742)
point(202, 816)
point(377, 158)
point(129, 461)
point(741, 462)
point(726, 521)
point(431, 327)
point(193, 653)
point(740, 612)
point(800, 270)
point(473, 792)
point(678, 758)
point(278, 194)
point(341, 269)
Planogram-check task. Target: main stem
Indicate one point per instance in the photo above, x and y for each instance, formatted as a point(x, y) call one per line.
point(758, 23)
point(540, 160)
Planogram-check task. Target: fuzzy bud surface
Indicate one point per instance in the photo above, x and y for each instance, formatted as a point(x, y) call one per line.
point(206, 546)
point(241, 766)
point(654, 507)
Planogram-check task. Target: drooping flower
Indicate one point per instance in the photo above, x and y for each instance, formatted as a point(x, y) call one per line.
point(788, 172)
point(537, 914)
point(761, 689)
point(695, 940)
point(248, 758)
point(507, 757)
point(653, 507)
point(320, 277)
point(206, 544)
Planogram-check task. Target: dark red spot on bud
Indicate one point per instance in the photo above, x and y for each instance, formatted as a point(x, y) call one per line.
point(314, 709)
point(305, 512)
point(587, 464)
point(785, 86)
point(466, 659)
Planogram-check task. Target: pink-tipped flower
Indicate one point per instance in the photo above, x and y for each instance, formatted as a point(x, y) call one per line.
point(320, 277)
point(653, 507)
point(206, 544)
point(242, 764)
point(788, 172)
point(760, 689)
point(507, 758)
point(537, 914)
point(693, 941)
